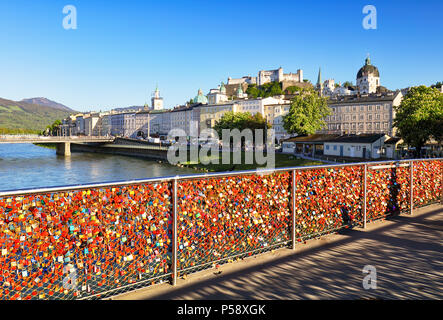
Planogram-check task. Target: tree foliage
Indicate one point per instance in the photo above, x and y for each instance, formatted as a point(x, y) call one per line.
point(269, 89)
point(52, 129)
point(419, 117)
point(293, 89)
point(307, 113)
point(347, 84)
point(241, 121)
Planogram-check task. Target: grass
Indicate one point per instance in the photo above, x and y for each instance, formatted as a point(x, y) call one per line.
point(281, 160)
point(20, 115)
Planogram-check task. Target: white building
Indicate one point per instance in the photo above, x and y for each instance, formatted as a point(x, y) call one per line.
point(181, 118)
point(265, 76)
point(356, 146)
point(156, 100)
point(328, 87)
point(90, 123)
point(368, 78)
point(216, 96)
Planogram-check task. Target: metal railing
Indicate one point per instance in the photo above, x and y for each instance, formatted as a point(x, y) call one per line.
point(36, 138)
point(99, 240)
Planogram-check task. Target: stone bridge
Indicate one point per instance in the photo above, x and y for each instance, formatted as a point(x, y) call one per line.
point(63, 143)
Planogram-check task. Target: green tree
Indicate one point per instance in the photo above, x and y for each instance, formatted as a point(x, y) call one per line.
point(253, 91)
point(307, 113)
point(437, 85)
point(53, 128)
point(269, 89)
point(347, 84)
point(293, 89)
point(419, 117)
point(241, 121)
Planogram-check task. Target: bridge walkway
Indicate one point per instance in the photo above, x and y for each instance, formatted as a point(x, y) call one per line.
point(407, 252)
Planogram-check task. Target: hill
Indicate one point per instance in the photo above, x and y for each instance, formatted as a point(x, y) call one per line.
point(28, 116)
point(46, 102)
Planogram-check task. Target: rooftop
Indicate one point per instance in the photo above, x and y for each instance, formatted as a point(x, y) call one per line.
point(362, 98)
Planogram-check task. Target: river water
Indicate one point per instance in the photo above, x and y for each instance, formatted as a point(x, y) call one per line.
point(24, 166)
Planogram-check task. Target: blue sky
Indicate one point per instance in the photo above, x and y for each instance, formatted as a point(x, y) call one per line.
point(122, 49)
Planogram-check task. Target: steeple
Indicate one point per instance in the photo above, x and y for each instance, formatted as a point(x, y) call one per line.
point(319, 77)
point(223, 88)
point(368, 61)
point(240, 91)
point(157, 92)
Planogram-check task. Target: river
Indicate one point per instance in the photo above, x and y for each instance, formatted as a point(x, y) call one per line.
point(24, 166)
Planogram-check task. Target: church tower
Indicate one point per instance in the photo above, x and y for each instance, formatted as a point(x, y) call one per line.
point(319, 85)
point(156, 100)
point(368, 78)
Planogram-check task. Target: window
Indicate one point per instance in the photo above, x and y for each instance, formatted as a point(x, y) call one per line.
point(335, 147)
point(327, 147)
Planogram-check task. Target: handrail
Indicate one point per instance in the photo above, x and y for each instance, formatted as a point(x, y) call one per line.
point(194, 176)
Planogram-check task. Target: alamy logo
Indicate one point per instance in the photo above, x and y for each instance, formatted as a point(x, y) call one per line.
point(253, 144)
point(370, 20)
point(370, 280)
point(70, 21)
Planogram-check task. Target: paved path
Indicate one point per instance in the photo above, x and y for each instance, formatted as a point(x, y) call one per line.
point(406, 251)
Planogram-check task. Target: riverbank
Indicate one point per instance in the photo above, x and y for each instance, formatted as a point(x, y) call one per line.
point(46, 145)
point(281, 160)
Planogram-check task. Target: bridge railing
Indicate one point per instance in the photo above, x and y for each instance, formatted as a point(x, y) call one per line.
point(52, 138)
point(95, 241)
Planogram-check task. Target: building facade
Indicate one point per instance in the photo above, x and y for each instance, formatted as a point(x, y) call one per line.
point(370, 113)
point(265, 76)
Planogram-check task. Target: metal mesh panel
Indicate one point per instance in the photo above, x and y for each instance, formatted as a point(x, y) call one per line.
point(427, 182)
point(327, 200)
point(70, 245)
point(102, 241)
point(228, 218)
point(388, 191)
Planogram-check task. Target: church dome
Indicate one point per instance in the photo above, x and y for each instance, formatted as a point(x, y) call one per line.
point(200, 98)
point(367, 69)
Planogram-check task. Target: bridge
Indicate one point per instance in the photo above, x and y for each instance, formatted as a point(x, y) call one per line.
point(102, 240)
point(63, 142)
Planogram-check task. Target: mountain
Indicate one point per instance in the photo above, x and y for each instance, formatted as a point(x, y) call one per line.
point(48, 103)
point(30, 116)
point(132, 108)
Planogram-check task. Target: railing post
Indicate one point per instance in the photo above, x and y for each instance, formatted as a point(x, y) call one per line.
point(294, 184)
point(174, 234)
point(441, 181)
point(365, 194)
point(411, 204)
